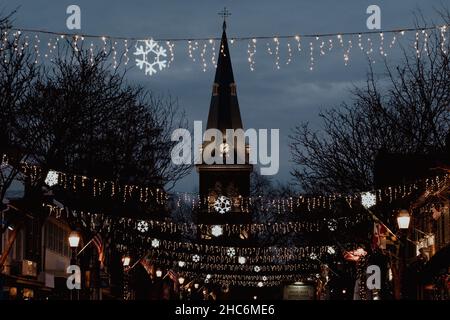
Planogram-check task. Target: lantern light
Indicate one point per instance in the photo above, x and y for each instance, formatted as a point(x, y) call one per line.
point(74, 239)
point(126, 261)
point(403, 219)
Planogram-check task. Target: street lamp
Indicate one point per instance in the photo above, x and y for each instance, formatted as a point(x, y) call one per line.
point(74, 239)
point(126, 261)
point(181, 281)
point(403, 219)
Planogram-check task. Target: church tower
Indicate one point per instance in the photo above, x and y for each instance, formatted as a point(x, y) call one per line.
point(228, 181)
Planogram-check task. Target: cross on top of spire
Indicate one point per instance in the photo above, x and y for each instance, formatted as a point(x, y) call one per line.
point(224, 14)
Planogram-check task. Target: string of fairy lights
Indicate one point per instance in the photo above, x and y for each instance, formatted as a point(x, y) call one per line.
point(99, 188)
point(149, 226)
point(247, 280)
point(154, 55)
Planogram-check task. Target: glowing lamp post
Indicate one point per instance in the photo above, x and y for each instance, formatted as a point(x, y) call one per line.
point(403, 220)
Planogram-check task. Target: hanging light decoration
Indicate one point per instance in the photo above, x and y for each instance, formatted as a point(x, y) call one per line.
point(257, 268)
point(217, 231)
point(231, 252)
point(52, 178)
point(155, 243)
point(242, 260)
point(142, 226)
point(181, 264)
point(368, 199)
point(222, 205)
point(196, 258)
point(332, 225)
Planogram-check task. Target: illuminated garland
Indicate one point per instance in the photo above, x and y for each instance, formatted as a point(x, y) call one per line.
point(266, 255)
point(246, 277)
point(283, 48)
point(244, 204)
point(114, 190)
point(97, 187)
point(332, 224)
point(192, 266)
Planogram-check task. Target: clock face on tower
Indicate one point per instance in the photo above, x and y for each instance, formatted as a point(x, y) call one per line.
point(224, 148)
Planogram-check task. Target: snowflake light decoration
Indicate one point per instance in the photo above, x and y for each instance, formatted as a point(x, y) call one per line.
point(196, 258)
point(332, 225)
point(222, 205)
point(216, 231)
point(155, 243)
point(264, 278)
point(181, 264)
point(52, 178)
point(242, 260)
point(257, 269)
point(208, 276)
point(260, 284)
point(331, 250)
point(313, 256)
point(231, 252)
point(142, 226)
point(151, 56)
point(368, 199)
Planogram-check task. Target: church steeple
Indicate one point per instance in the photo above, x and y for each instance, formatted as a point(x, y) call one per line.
point(230, 179)
point(224, 110)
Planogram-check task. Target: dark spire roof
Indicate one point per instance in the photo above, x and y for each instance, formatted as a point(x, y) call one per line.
point(224, 109)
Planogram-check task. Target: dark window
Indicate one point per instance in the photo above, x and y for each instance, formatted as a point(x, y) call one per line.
point(57, 239)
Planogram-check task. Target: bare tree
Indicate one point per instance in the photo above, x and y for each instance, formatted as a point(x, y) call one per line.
point(411, 114)
point(87, 120)
point(17, 73)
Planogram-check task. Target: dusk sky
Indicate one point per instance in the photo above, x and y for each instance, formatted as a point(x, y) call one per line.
point(268, 98)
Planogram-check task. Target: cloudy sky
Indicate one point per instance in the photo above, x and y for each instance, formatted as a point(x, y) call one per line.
point(269, 98)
